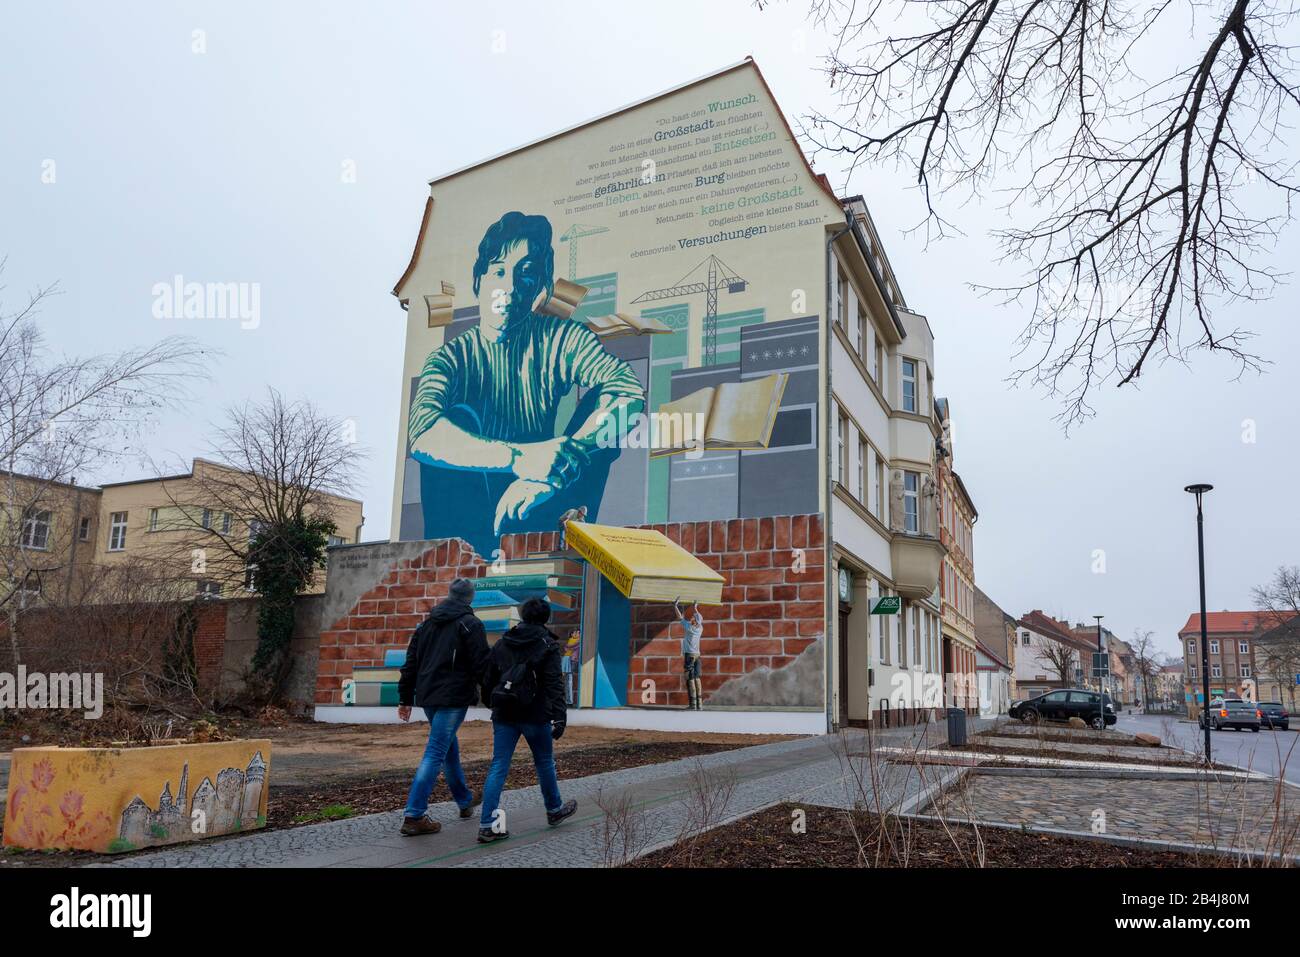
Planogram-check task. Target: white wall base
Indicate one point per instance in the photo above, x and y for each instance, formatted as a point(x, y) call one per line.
point(642, 719)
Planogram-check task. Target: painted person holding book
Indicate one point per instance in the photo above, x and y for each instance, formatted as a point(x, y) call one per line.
point(443, 663)
point(692, 631)
point(524, 685)
point(483, 423)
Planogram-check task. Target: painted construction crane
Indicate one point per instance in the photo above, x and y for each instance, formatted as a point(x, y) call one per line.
point(571, 236)
point(717, 275)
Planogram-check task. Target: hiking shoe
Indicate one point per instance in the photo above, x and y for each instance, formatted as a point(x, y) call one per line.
point(486, 835)
point(566, 810)
point(411, 826)
point(475, 801)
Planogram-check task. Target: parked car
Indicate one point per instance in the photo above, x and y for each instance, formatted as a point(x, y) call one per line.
point(1066, 704)
point(1233, 713)
point(1272, 714)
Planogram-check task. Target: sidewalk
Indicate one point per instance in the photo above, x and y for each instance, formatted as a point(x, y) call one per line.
point(810, 769)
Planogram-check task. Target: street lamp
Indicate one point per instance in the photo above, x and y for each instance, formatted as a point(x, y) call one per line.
point(1198, 491)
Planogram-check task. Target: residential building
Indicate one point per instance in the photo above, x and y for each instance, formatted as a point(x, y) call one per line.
point(707, 263)
point(957, 518)
point(1234, 670)
point(1122, 683)
point(1169, 685)
point(995, 639)
point(1049, 655)
point(69, 530)
point(1277, 659)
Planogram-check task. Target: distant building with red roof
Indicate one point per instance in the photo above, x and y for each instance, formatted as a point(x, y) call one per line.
point(1232, 637)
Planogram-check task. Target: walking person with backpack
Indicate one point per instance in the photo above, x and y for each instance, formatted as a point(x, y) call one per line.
point(524, 685)
point(443, 663)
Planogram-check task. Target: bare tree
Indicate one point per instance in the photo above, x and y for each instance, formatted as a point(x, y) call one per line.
point(1277, 639)
point(1146, 659)
point(59, 418)
point(280, 467)
point(1139, 194)
point(1059, 658)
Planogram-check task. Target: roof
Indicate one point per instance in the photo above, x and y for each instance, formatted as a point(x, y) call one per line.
point(1173, 669)
point(1229, 622)
point(1049, 627)
point(821, 179)
point(990, 653)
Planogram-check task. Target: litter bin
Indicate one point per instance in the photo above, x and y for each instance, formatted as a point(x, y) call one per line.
point(956, 726)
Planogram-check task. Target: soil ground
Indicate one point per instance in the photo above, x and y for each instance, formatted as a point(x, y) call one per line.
point(767, 839)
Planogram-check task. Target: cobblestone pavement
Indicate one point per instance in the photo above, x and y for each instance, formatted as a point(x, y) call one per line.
point(829, 770)
point(1218, 814)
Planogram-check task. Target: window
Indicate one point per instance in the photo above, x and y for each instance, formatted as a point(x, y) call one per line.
point(207, 518)
point(878, 366)
point(1214, 646)
point(1024, 637)
point(911, 505)
point(153, 519)
point(917, 629)
point(909, 385)
point(1191, 646)
point(881, 623)
point(1191, 671)
point(225, 523)
point(902, 636)
point(117, 531)
point(337, 540)
point(862, 468)
point(1243, 647)
point(1245, 670)
point(842, 307)
point(1216, 671)
point(83, 532)
point(864, 336)
point(841, 447)
point(36, 529)
point(254, 526)
point(208, 589)
point(250, 578)
point(880, 488)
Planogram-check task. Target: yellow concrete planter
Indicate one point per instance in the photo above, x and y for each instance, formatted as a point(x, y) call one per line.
point(121, 799)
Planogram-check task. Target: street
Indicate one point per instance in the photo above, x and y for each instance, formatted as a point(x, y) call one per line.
point(1265, 752)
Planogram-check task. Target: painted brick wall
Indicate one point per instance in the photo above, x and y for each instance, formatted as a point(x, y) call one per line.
point(773, 605)
point(385, 615)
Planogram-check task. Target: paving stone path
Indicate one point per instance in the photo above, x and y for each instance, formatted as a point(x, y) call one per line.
point(1219, 814)
point(1028, 743)
point(829, 770)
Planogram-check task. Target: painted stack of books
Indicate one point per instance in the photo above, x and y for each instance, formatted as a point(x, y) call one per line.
point(555, 576)
point(377, 684)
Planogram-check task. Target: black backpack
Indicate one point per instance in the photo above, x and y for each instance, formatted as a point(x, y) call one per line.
point(516, 689)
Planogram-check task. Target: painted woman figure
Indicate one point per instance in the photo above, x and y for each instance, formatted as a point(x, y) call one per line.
point(483, 422)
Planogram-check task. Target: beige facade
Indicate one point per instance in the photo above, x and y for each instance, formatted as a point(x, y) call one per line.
point(160, 521)
point(957, 517)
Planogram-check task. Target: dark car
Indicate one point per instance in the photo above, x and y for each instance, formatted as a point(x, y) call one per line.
point(1066, 704)
point(1272, 714)
point(1235, 713)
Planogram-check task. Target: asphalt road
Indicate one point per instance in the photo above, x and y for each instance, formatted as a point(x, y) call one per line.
point(1267, 751)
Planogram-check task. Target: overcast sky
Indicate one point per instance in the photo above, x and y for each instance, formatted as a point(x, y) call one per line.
point(225, 166)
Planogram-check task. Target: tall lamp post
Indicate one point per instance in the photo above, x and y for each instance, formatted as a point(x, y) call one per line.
point(1101, 678)
point(1199, 491)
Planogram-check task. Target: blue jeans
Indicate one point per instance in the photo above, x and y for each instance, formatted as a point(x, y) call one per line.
point(441, 753)
point(505, 736)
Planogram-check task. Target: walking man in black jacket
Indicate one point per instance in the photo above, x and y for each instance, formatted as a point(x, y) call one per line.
point(524, 684)
point(443, 662)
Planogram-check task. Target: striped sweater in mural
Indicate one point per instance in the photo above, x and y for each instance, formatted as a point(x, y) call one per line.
point(515, 385)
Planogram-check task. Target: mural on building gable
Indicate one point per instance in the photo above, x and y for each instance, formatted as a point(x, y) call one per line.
point(694, 244)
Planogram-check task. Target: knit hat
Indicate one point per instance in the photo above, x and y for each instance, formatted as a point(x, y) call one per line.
point(462, 589)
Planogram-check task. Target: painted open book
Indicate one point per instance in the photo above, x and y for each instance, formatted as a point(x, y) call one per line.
point(621, 324)
point(645, 564)
point(736, 415)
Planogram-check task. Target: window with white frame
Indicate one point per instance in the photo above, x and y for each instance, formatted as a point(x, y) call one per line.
point(36, 529)
point(901, 636)
point(909, 385)
point(1243, 647)
point(862, 468)
point(881, 621)
point(843, 304)
point(1191, 646)
point(225, 523)
point(83, 532)
point(880, 488)
point(911, 503)
point(1214, 646)
point(117, 531)
point(878, 364)
point(1216, 671)
point(864, 336)
point(1245, 670)
point(1191, 671)
point(841, 450)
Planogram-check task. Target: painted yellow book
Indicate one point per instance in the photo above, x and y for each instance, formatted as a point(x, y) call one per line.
point(645, 564)
point(735, 415)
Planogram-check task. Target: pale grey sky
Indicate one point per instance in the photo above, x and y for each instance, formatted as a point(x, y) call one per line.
point(224, 166)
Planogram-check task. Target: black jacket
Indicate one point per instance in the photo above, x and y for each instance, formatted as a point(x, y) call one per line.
point(534, 642)
point(444, 659)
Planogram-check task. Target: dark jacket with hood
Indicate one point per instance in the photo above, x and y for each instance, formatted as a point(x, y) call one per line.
point(538, 644)
point(444, 659)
